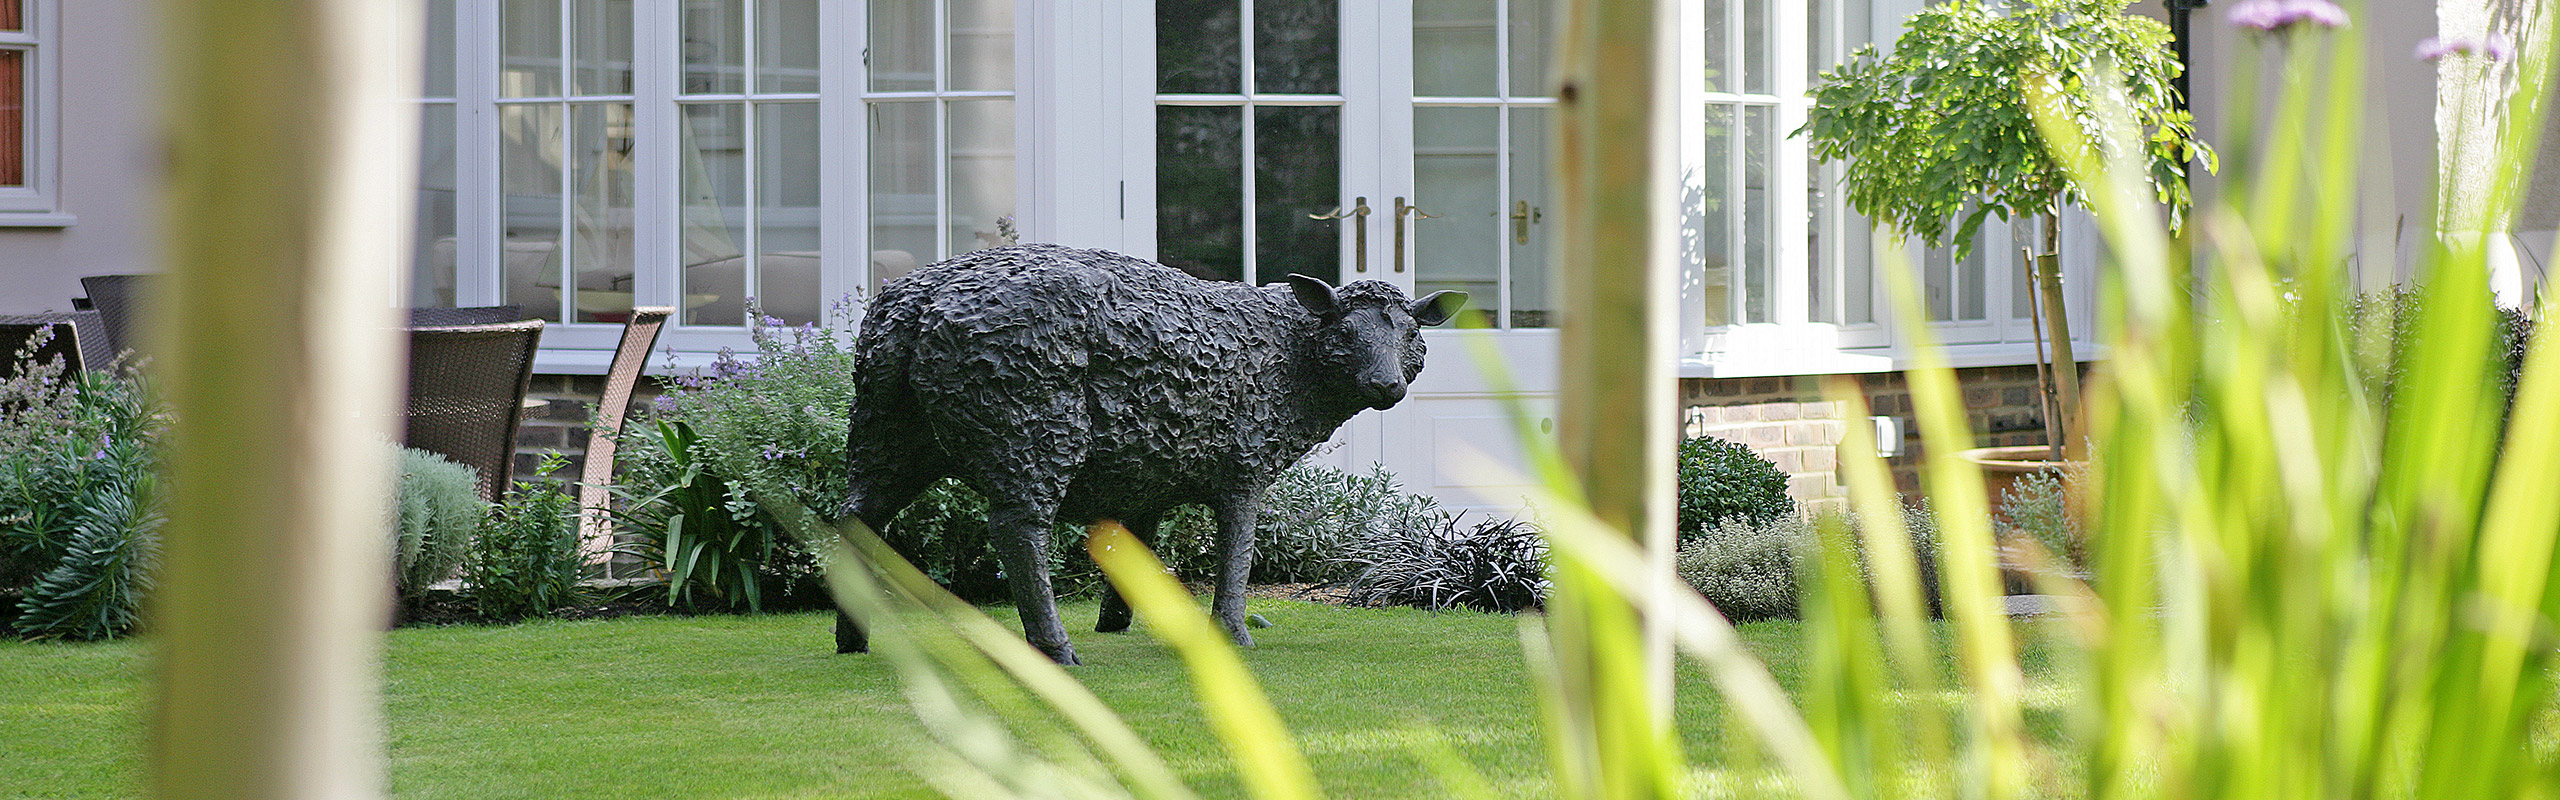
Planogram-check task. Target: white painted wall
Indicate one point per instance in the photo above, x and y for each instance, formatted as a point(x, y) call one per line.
point(109, 162)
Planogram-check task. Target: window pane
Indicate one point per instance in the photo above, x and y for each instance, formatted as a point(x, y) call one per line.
point(1530, 284)
point(981, 45)
point(714, 229)
point(1821, 293)
point(12, 16)
point(1297, 172)
point(1937, 282)
point(1200, 190)
point(1719, 44)
point(529, 138)
point(601, 180)
point(1199, 47)
point(787, 211)
point(1295, 44)
point(1818, 50)
point(1453, 48)
point(981, 173)
point(1858, 270)
point(438, 75)
point(787, 45)
point(2021, 230)
point(1532, 46)
point(432, 257)
point(1759, 134)
point(715, 46)
point(1457, 163)
point(903, 165)
point(529, 47)
point(604, 47)
point(13, 118)
point(1715, 229)
point(1971, 288)
point(901, 54)
point(1757, 66)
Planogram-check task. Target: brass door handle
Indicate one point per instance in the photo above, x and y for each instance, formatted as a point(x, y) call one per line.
point(1401, 211)
point(1521, 217)
point(1359, 215)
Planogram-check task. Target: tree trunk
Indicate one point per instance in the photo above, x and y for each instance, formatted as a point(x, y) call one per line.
point(2064, 366)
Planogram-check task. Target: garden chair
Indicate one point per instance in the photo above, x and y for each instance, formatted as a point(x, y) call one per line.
point(466, 390)
point(78, 339)
point(120, 302)
point(639, 333)
point(432, 317)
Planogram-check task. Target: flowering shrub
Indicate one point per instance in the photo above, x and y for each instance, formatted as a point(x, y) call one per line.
point(79, 507)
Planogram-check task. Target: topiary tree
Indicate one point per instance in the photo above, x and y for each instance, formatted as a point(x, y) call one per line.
point(1937, 137)
point(1722, 481)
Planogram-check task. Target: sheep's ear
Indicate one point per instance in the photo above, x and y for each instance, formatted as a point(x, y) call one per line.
point(1314, 293)
point(1438, 307)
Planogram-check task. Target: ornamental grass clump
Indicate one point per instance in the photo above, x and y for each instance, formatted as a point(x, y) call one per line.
point(434, 514)
point(80, 501)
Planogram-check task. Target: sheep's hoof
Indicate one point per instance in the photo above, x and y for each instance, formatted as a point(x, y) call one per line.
point(1065, 656)
point(1110, 625)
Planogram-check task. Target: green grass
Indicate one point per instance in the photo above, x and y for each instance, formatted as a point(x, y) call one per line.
point(733, 706)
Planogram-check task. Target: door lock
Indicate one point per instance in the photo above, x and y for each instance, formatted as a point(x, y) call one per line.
point(1359, 215)
point(1401, 211)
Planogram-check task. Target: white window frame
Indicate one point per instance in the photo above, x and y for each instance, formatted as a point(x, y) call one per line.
point(586, 348)
point(1789, 343)
point(38, 204)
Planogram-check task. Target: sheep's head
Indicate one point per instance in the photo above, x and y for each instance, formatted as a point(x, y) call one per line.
point(1371, 334)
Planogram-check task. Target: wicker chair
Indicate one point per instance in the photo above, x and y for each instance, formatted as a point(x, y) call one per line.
point(595, 523)
point(433, 317)
point(466, 389)
point(120, 300)
point(78, 339)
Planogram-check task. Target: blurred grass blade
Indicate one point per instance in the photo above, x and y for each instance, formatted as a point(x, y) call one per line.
point(1895, 569)
point(1458, 779)
point(996, 656)
point(1265, 754)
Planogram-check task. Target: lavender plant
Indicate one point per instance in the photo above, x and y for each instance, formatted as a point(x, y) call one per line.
point(80, 508)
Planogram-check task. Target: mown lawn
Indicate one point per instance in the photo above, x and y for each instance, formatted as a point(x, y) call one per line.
point(759, 707)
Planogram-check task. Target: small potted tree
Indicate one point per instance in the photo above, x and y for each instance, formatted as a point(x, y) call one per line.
point(1937, 138)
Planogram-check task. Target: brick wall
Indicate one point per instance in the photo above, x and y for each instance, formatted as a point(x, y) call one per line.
point(1787, 421)
point(559, 424)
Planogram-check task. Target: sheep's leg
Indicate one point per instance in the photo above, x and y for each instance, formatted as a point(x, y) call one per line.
point(1115, 611)
point(1235, 564)
point(1020, 532)
point(875, 503)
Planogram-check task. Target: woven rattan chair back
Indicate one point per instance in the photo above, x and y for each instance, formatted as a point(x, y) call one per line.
point(120, 301)
point(466, 391)
point(433, 317)
point(76, 340)
point(639, 334)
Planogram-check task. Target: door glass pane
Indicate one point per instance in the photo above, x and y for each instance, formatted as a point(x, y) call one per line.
point(438, 76)
point(714, 215)
point(1532, 46)
point(787, 45)
point(981, 45)
point(981, 173)
point(1294, 46)
point(1457, 163)
point(529, 138)
point(1199, 47)
point(602, 180)
point(1531, 304)
point(529, 49)
point(1453, 48)
point(1715, 224)
point(432, 258)
point(1200, 190)
point(1297, 172)
point(787, 211)
point(903, 164)
point(901, 53)
point(1719, 44)
point(1757, 66)
point(715, 46)
point(13, 117)
point(604, 46)
point(1758, 136)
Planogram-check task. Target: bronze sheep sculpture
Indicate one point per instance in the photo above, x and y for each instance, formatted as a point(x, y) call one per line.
point(1069, 385)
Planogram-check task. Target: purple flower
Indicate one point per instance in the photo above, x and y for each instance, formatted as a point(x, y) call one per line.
point(2496, 47)
point(665, 404)
point(2277, 15)
point(771, 321)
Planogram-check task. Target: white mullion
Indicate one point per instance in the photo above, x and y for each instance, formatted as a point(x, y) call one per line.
point(1690, 17)
point(843, 196)
point(941, 130)
point(1502, 202)
point(1246, 81)
point(751, 203)
point(568, 275)
point(657, 122)
point(1790, 289)
point(479, 207)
